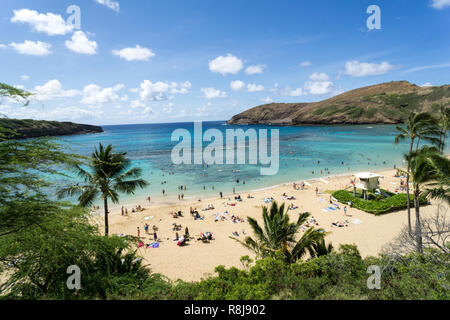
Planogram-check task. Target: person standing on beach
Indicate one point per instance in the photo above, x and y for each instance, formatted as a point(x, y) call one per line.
point(123, 211)
point(317, 191)
point(221, 194)
point(345, 210)
point(138, 232)
point(155, 236)
point(234, 190)
point(163, 192)
point(148, 199)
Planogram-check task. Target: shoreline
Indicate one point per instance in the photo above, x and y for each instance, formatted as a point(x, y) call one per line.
point(172, 200)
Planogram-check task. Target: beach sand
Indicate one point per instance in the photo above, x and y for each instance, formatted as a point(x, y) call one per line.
point(198, 260)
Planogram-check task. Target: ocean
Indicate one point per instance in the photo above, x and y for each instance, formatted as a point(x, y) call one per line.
point(305, 152)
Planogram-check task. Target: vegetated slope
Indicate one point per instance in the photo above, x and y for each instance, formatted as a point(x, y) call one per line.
point(22, 129)
point(385, 103)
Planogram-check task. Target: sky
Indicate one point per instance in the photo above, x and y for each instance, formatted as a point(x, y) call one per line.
point(126, 62)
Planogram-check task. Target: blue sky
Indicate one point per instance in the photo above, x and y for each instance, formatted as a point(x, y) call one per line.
point(169, 61)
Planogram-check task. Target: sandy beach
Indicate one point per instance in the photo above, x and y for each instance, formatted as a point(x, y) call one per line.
point(197, 259)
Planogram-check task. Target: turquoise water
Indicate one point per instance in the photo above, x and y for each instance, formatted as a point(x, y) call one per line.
point(340, 149)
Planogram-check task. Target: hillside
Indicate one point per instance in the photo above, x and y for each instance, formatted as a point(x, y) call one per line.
point(39, 128)
point(385, 103)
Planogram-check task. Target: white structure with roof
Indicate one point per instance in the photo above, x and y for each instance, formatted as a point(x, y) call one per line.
point(368, 181)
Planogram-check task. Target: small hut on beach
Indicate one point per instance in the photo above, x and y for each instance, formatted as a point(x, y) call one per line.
point(367, 181)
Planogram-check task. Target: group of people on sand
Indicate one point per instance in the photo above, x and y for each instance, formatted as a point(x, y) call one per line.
point(181, 241)
point(299, 186)
point(340, 224)
point(308, 224)
point(206, 237)
point(195, 214)
point(147, 231)
point(286, 197)
point(177, 214)
point(138, 208)
point(236, 219)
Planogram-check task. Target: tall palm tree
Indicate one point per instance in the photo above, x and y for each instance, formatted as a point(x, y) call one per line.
point(418, 126)
point(429, 168)
point(109, 174)
point(278, 233)
point(444, 124)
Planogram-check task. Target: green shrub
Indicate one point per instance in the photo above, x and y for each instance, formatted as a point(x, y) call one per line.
point(393, 203)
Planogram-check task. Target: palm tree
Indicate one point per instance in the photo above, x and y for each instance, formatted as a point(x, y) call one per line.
point(109, 175)
point(278, 233)
point(419, 126)
point(321, 249)
point(430, 172)
point(444, 124)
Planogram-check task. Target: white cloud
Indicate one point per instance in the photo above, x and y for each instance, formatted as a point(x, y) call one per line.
point(211, 93)
point(3, 46)
point(363, 69)
point(137, 104)
point(427, 84)
point(151, 91)
point(257, 69)
point(32, 48)
point(440, 4)
point(114, 5)
point(94, 94)
point(204, 110)
point(134, 54)
point(237, 85)
point(287, 91)
point(51, 90)
point(293, 92)
point(169, 108)
point(319, 87)
point(252, 87)
point(305, 64)
point(319, 77)
point(436, 66)
point(25, 77)
point(226, 64)
point(65, 113)
point(181, 88)
point(51, 24)
point(81, 44)
point(267, 100)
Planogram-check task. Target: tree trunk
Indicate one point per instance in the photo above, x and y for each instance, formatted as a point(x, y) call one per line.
point(407, 189)
point(418, 223)
point(106, 216)
point(443, 141)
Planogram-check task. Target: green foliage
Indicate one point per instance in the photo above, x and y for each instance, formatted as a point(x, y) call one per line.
point(109, 174)
point(37, 257)
point(338, 275)
point(278, 235)
point(14, 93)
point(393, 203)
